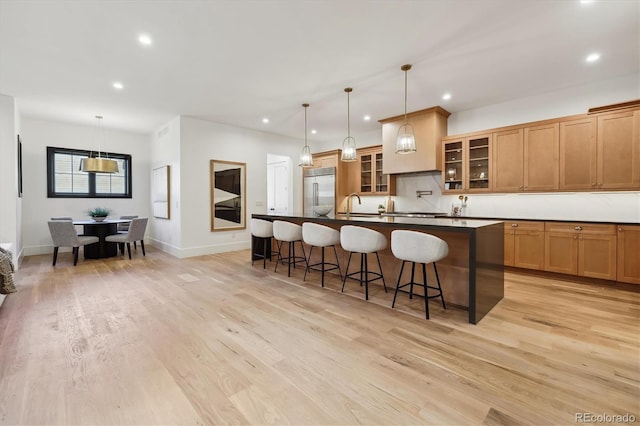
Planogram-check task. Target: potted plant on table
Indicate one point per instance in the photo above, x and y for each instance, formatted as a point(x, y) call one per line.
point(99, 213)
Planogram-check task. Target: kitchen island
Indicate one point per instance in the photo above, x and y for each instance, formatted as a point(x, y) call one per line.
point(472, 275)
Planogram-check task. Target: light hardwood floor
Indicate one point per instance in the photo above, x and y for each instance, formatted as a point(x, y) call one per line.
point(214, 340)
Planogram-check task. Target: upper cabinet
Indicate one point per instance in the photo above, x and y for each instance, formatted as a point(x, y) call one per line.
point(578, 154)
point(366, 176)
point(430, 126)
point(526, 159)
point(508, 161)
point(618, 150)
point(540, 161)
point(467, 164)
point(600, 151)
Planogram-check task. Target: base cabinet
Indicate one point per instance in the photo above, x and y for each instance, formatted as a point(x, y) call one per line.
point(524, 244)
point(628, 254)
point(587, 250)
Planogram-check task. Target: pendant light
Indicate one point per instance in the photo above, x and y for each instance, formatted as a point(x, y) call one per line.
point(349, 143)
point(306, 159)
point(406, 142)
point(99, 164)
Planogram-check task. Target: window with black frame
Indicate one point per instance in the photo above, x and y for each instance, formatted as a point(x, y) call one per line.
point(65, 180)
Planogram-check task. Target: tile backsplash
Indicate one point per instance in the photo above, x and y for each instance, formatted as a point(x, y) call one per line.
point(606, 206)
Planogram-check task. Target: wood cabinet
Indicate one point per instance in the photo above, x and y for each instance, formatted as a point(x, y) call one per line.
point(578, 154)
point(628, 270)
point(524, 244)
point(540, 162)
point(526, 159)
point(600, 151)
point(370, 179)
point(507, 161)
point(587, 250)
point(325, 159)
point(429, 126)
point(467, 164)
point(618, 150)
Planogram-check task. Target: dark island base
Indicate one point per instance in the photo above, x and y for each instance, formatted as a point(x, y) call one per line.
point(472, 275)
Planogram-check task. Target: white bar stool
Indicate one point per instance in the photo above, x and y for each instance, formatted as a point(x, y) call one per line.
point(290, 233)
point(261, 230)
point(356, 239)
point(321, 236)
point(418, 247)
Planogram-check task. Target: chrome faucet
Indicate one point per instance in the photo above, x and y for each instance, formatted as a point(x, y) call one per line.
point(349, 198)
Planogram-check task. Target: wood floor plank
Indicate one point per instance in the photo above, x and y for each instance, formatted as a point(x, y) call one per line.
point(215, 340)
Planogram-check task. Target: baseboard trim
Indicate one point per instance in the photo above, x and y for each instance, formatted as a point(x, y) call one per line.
point(182, 253)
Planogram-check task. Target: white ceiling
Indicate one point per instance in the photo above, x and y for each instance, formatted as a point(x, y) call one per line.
point(238, 61)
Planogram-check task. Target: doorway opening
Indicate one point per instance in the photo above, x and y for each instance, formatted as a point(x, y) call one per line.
point(279, 180)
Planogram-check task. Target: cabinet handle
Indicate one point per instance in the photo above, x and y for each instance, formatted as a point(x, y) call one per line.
point(514, 225)
point(619, 229)
point(580, 238)
point(578, 228)
point(575, 238)
point(593, 184)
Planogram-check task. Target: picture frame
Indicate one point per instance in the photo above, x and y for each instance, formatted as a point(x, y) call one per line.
point(228, 195)
point(19, 150)
point(161, 187)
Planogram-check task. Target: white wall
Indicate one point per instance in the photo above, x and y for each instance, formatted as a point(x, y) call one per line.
point(202, 141)
point(37, 208)
point(574, 100)
point(10, 203)
point(165, 150)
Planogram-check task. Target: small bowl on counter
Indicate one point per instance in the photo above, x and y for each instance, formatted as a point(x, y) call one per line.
point(322, 209)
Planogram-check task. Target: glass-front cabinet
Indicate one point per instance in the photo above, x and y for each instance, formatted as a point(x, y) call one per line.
point(466, 164)
point(371, 179)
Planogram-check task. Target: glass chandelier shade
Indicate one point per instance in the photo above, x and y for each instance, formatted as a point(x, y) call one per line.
point(406, 141)
point(98, 164)
point(306, 159)
point(349, 143)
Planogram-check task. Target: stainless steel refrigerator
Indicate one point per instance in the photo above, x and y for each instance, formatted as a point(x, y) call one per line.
point(319, 188)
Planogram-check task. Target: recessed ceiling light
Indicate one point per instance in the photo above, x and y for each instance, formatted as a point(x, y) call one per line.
point(593, 57)
point(118, 85)
point(265, 120)
point(367, 117)
point(446, 96)
point(586, 1)
point(144, 39)
point(314, 131)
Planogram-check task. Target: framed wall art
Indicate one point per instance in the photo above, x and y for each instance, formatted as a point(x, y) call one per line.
point(161, 181)
point(228, 195)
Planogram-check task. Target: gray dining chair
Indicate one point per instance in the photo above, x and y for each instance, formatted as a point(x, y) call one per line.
point(64, 234)
point(135, 233)
point(123, 228)
point(68, 218)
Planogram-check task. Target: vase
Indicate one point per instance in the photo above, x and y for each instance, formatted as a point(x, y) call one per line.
point(99, 218)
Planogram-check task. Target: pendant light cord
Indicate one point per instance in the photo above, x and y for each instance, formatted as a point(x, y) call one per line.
point(405, 97)
point(348, 116)
point(305, 126)
point(405, 68)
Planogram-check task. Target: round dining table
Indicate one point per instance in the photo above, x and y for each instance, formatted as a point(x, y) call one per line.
point(101, 229)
